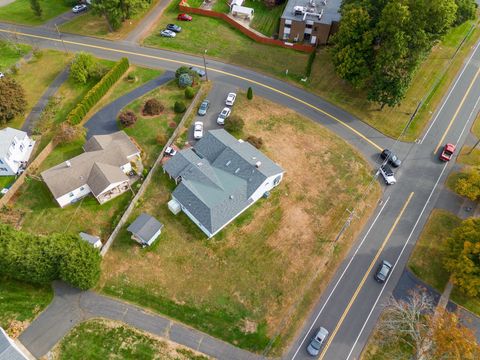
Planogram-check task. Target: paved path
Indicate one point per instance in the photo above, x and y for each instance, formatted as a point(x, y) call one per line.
point(37, 110)
point(149, 21)
point(5, 2)
point(60, 20)
point(105, 121)
point(71, 306)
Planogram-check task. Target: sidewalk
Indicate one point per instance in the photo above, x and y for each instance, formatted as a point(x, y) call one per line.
point(149, 21)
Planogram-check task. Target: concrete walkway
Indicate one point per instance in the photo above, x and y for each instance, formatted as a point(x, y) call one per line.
point(149, 21)
point(105, 121)
point(37, 110)
point(71, 306)
point(5, 2)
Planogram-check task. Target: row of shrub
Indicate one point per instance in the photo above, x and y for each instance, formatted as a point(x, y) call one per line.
point(41, 259)
point(97, 92)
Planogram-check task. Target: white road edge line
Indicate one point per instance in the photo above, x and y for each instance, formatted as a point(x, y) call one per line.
point(340, 278)
point(450, 92)
point(408, 239)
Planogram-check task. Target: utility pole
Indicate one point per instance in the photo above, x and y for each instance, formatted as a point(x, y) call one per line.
point(61, 39)
point(205, 64)
point(347, 223)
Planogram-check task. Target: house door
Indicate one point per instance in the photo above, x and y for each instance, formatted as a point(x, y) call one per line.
point(313, 41)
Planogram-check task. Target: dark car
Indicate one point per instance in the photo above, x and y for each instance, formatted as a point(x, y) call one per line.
point(383, 271)
point(184, 17)
point(173, 27)
point(199, 71)
point(392, 158)
point(202, 110)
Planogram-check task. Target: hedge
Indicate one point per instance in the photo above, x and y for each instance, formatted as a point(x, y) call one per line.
point(97, 92)
point(41, 259)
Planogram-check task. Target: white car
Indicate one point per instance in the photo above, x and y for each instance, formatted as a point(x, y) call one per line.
point(223, 115)
point(2, 75)
point(387, 174)
point(170, 151)
point(79, 8)
point(198, 130)
point(168, 33)
point(230, 99)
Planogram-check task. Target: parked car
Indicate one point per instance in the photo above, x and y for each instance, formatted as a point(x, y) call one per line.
point(388, 175)
point(447, 152)
point(223, 115)
point(184, 17)
point(174, 28)
point(2, 75)
point(317, 342)
point(170, 151)
point(168, 33)
point(198, 130)
point(383, 271)
point(231, 99)
point(202, 110)
point(79, 8)
point(391, 158)
point(199, 71)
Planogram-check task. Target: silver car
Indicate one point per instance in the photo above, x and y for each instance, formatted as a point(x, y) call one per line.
point(198, 130)
point(317, 342)
point(223, 115)
point(168, 33)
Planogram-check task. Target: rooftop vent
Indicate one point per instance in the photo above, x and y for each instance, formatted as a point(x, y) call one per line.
point(228, 162)
point(236, 171)
point(68, 163)
point(258, 163)
point(240, 140)
point(231, 197)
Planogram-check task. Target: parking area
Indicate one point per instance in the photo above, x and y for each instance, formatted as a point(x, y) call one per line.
point(217, 97)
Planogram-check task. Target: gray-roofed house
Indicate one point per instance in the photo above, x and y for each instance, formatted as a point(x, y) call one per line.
point(15, 150)
point(311, 21)
point(93, 240)
point(101, 170)
point(219, 178)
point(8, 349)
point(145, 229)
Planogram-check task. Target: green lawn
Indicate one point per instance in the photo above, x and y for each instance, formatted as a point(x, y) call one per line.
point(102, 339)
point(21, 13)
point(239, 285)
point(265, 20)
point(6, 181)
point(21, 302)
point(11, 53)
point(227, 43)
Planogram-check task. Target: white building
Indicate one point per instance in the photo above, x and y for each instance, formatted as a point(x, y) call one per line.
point(15, 150)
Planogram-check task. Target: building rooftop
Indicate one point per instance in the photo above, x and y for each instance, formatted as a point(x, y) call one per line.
point(301, 10)
point(7, 135)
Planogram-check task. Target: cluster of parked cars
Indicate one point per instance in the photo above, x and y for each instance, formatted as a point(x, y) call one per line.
point(224, 114)
point(171, 30)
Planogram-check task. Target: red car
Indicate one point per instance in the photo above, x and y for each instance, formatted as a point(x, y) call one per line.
point(184, 17)
point(447, 152)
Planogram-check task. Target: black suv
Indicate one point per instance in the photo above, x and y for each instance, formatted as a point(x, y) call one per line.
point(173, 27)
point(383, 271)
point(392, 158)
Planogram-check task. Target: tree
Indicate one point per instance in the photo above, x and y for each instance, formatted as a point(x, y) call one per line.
point(179, 107)
point(82, 67)
point(468, 184)
point(185, 80)
point(12, 99)
point(35, 6)
point(127, 118)
point(68, 133)
point(234, 124)
point(153, 107)
point(111, 10)
point(255, 141)
point(250, 93)
point(462, 257)
point(189, 92)
point(465, 11)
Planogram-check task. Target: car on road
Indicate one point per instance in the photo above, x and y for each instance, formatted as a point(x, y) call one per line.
point(202, 110)
point(387, 174)
point(383, 271)
point(223, 115)
point(447, 152)
point(391, 158)
point(198, 130)
point(317, 342)
point(184, 17)
point(167, 33)
point(199, 71)
point(79, 8)
point(230, 99)
point(174, 28)
point(170, 151)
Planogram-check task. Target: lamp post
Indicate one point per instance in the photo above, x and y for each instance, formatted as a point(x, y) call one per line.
point(205, 64)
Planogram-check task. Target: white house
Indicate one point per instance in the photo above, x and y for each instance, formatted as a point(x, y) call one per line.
point(219, 178)
point(101, 170)
point(15, 150)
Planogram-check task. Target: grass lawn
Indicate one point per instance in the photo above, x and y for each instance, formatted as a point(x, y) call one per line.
point(226, 43)
point(6, 181)
point(147, 128)
point(240, 285)
point(21, 13)
point(11, 53)
point(327, 84)
point(102, 339)
point(94, 25)
point(265, 20)
point(20, 303)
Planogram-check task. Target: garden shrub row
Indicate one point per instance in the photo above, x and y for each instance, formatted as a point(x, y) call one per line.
point(97, 92)
point(41, 259)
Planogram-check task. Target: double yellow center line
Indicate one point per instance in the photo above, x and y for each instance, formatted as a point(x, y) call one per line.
point(367, 273)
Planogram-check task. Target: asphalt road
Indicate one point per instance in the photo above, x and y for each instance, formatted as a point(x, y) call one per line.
point(351, 304)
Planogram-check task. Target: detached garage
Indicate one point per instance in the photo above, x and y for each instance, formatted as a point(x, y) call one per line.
point(145, 229)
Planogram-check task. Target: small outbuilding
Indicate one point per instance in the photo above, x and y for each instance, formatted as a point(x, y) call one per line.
point(145, 229)
point(93, 240)
point(242, 11)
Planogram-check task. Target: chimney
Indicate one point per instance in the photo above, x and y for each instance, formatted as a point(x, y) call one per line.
point(258, 163)
point(68, 163)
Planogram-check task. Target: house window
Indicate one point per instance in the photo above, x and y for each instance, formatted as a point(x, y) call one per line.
point(308, 26)
point(21, 147)
point(277, 180)
point(71, 194)
point(1, 162)
point(13, 143)
point(3, 169)
point(287, 26)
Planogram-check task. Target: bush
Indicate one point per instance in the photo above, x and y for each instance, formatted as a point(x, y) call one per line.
point(68, 133)
point(97, 92)
point(189, 92)
point(12, 99)
point(182, 70)
point(179, 107)
point(82, 66)
point(153, 107)
point(311, 59)
point(185, 80)
point(131, 76)
point(250, 93)
point(234, 124)
point(255, 141)
point(162, 138)
point(127, 118)
point(465, 11)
